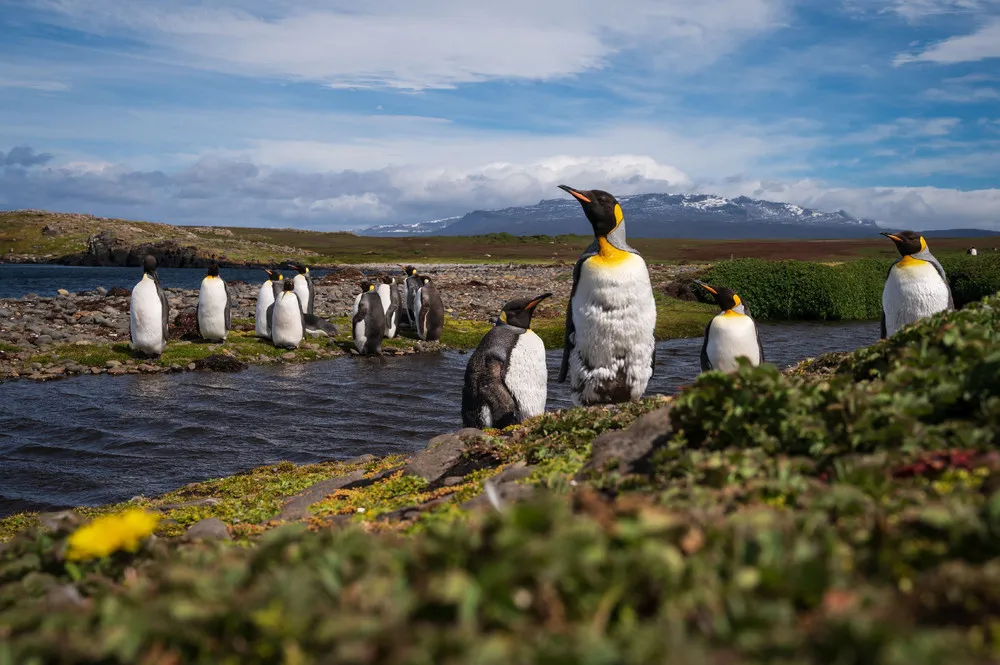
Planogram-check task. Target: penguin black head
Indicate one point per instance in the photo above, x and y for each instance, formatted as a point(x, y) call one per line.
point(149, 264)
point(725, 298)
point(518, 312)
point(213, 270)
point(424, 279)
point(907, 242)
point(601, 208)
point(367, 286)
point(303, 270)
point(388, 279)
point(273, 275)
point(410, 271)
point(289, 286)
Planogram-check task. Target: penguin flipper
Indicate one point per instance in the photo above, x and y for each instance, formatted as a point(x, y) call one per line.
point(940, 268)
point(164, 313)
point(197, 319)
point(706, 364)
point(228, 307)
point(760, 347)
point(312, 295)
point(570, 337)
point(882, 334)
point(503, 407)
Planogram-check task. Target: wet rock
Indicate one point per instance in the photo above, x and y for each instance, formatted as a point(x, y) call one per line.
point(627, 451)
point(113, 363)
point(210, 528)
point(445, 455)
point(192, 366)
point(218, 362)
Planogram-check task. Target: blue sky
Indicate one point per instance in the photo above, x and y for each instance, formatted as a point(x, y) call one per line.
point(336, 114)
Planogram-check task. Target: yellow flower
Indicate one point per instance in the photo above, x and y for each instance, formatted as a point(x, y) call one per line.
point(111, 533)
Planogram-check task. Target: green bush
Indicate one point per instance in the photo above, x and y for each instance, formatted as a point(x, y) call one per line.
point(804, 291)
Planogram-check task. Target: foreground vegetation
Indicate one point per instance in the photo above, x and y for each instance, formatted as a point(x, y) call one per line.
point(845, 512)
point(805, 290)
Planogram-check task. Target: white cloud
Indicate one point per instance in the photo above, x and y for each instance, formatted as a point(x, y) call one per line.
point(904, 128)
point(356, 207)
point(40, 85)
point(428, 44)
point(979, 45)
point(915, 10)
point(962, 95)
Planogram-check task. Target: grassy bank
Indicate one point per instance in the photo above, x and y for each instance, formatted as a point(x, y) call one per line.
point(803, 290)
point(848, 512)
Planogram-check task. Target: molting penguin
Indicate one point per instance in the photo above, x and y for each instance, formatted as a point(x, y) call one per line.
point(265, 298)
point(390, 304)
point(317, 326)
point(730, 335)
point(213, 310)
point(148, 312)
point(411, 284)
point(287, 326)
point(429, 311)
point(611, 318)
point(304, 289)
point(506, 378)
point(368, 323)
point(915, 286)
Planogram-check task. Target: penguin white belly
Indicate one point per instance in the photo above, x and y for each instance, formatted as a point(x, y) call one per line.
point(286, 321)
point(486, 416)
point(730, 337)
point(385, 295)
point(265, 298)
point(527, 375)
point(146, 317)
point(912, 292)
point(359, 335)
point(301, 288)
point(614, 316)
point(212, 309)
point(357, 301)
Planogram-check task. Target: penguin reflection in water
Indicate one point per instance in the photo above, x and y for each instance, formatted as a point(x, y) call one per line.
point(287, 325)
point(730, 335)
point(214, 307)
point(915, 286)
point(506, 378)
point(148, 312)
point(611, 319)
point(368, 323)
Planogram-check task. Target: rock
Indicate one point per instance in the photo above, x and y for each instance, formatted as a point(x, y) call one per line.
point(445, 456)
point(96, 370)
point(43, 339)
point(117, 371)
point(63, 292)
point(504, 493)
point(118, 292)
point(218, 362)
point(101, 291)
point(210, 528)
point(207, 501)
point(192, 366)
point(113, 363)
point(63, 521)
point(626, 451)
point(288, 356)
point(297, 507)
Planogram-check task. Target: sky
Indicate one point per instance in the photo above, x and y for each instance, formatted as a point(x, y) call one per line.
point(338, 114)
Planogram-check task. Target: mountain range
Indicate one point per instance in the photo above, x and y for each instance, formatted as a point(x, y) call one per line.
point(697, 216)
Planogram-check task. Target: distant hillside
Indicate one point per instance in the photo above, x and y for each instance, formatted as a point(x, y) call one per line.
point(696, 216)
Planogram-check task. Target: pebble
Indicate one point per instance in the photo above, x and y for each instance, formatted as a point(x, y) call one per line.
point(63, 292)
point(43, 339)
point(289, 356)
point(113, 363)
point(192, 366)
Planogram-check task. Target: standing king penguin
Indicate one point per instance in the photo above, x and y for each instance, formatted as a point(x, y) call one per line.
point(429, 311)
point(265, 298)
point(287, 326)
point(506, 378)
point(390, 304)
point(368, 323)
point(915, 287)
point(148, 312)
point(729, 335)
point(611, 319)
point(304, 289)
point(411, 284)
point(214, 307)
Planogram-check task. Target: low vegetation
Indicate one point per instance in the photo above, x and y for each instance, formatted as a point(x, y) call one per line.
point(803, 290)
point(845, 512)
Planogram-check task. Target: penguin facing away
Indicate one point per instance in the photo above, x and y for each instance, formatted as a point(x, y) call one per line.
point(148, 312)
point(390, 304)
point(729, 335)
point(368, 324)
point(214, 307)
point(411, 284)
point(304, 288)
point(429, 312)
point(611, 319)
point(915, 286)
point(265, 298)
point(506, 377)
point(287, 327)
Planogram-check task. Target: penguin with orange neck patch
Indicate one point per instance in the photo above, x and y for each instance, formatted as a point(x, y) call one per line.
point(611, 319)
point(730, 335)
point(915, 286)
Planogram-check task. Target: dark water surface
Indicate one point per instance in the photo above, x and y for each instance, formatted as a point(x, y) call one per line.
point(96, 439)
point(18, 280)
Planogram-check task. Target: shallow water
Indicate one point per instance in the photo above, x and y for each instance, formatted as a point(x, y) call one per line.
point(97, 439)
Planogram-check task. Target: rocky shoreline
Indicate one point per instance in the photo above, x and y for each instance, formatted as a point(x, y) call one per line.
point(45, 338)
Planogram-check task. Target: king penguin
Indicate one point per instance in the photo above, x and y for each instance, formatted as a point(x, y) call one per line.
point(287, 326)
point(428, 311)
point(265, 298)
point(148, 312)
point(214, 307)
point(729, 335)
point(411, 284)
point(915, 286)
point(611, 319)
point(390, 304)
point(368, 323)
point(506, 378)
point(304, 289)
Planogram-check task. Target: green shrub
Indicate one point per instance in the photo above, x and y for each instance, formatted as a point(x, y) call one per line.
point(804, 291)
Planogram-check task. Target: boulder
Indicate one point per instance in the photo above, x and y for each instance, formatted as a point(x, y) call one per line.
point(210, 528)
point(626, 451)
point(446, 455)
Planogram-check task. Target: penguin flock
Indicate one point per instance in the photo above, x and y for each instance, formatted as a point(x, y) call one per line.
point(609, 346)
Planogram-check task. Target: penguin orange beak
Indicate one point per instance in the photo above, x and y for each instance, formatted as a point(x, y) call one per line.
point(534, 303)
point(891, 237)
point(576, 193)
point(706, 287)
